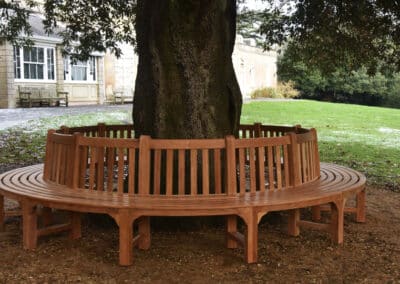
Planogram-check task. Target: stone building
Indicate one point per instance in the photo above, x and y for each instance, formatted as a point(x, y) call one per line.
point(254, 68)
point(43, 69)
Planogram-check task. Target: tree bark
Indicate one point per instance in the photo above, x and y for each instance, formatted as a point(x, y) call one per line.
point(186, 86)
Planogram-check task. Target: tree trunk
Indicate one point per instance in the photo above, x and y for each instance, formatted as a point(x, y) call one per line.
point(186, 86)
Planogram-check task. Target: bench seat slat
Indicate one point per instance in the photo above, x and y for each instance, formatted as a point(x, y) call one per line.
point(28, 182)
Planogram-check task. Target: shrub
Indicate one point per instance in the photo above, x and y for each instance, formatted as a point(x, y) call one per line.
point(267, 92)
point(287, 90)
point(283, 90)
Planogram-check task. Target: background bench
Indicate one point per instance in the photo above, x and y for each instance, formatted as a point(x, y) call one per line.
point(33, 96)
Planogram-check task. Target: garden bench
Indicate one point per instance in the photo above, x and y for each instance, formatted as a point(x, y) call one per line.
point(29, 97)
point(119, 97)
point(134, 179)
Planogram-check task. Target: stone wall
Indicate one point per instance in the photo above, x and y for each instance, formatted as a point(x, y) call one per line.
point(7, 89)
point(254, 69)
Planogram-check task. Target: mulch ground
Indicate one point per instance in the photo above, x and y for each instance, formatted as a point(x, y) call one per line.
point(180, 254)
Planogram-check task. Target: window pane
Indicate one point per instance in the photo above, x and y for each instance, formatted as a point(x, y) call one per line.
point(50, 64)
point(78, 73)
point(39, 71)
point(34, 54)
point(27, 54)
point(92, 68)
point(17, 63)
point(32, 71)
point(26, 71)
point(40, 55)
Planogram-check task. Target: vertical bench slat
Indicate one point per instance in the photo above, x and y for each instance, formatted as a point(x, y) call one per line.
point(110, 168)
point(121, 164)
point(58, 149)
point(157, 171)
point(312, 159)
point(182, 172)
point(309, 161)
point(92, 167)
point(83, 164)
point(286, 165)
point(278, 161)
point(242, 170)
point(131, 170)
point(217, 171)
point(100, 168)
point(252, 169)
point(270, 168)
point(261, 168)
point(205, 172)
point(170, 172)
point(193, 172)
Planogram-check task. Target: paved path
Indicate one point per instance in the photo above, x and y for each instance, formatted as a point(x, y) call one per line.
point(19, 116)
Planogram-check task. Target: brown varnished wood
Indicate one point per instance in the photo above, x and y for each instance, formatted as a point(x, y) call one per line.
point(244, 178)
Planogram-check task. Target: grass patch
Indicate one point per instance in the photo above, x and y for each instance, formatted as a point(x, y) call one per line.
point(26, 144)
point(361, 137)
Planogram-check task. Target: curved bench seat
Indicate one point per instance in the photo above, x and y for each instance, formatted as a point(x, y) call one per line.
point(101, 169)
point(335, 184)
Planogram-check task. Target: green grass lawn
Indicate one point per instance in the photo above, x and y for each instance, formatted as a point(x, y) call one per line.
point(364, 138)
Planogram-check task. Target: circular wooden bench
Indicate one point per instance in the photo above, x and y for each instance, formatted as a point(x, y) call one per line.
point(134, 179)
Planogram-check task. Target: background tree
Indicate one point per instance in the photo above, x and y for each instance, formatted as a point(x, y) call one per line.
point(331, 34)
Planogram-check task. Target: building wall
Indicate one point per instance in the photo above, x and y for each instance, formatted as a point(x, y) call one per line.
point(120, 74)
point(79, 93)
point(254, 69)
point(7, 89)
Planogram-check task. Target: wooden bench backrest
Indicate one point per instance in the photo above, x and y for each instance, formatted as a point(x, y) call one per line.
point(308, 155)
point(260, 164)
point(182, 167)
point(59, 159)
point(101, 130)
point(258, 130)
point(106, 164)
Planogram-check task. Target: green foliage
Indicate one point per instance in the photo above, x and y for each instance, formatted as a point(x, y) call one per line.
point(330, 34)
point(13, 21)
point(267, 92)
point(364, 138)
point(343, 84)
point(284, 90)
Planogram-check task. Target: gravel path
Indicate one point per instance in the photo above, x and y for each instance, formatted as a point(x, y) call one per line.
point(19, 116)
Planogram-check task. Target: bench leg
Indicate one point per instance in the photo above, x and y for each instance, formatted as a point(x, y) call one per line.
point(360, 213)
point(252, 239)
point(293, 222)
point(2, 217)
point(29, 225)
point(316, 213)
point(144, 233)
point(231, 228)
point(76, 231)
point(337, 221)
point(125, 224)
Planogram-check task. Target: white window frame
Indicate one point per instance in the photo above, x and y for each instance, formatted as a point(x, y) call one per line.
point(90, 77)
point(45, 64)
